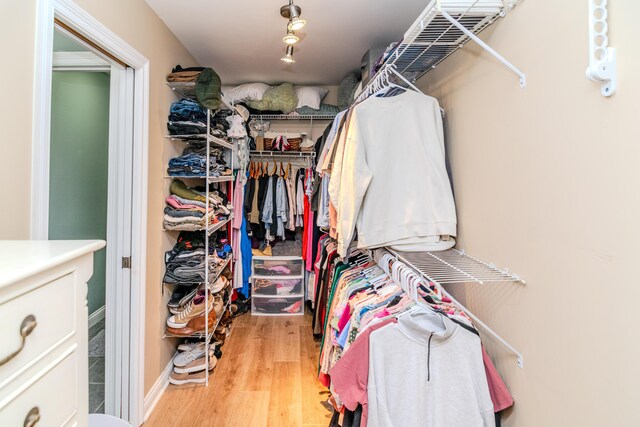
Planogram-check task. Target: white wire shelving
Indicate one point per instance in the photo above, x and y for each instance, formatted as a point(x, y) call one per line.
point(455, 266)
point(211, 179)
point(187, 90)
point(278, 154)
point(201, 140)
point(293, 116)
point(442, 28)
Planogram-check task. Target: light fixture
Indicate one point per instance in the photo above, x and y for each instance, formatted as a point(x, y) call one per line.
point(288, 58)
point(292, 13)
point(291, 38)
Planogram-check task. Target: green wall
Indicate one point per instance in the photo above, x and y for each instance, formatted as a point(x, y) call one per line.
point(79, 169)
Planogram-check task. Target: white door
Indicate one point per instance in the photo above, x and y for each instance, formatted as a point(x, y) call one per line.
point(117, 325)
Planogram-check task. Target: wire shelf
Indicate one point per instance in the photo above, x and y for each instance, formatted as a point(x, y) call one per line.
point(454, 266)
point(293, 116)
point(258, 153)
point(223, 178)
point(210, 230)
point(201, 139)
point(215, 277)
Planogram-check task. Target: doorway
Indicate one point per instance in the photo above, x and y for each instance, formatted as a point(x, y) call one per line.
point(78, 178)
point(85, 185)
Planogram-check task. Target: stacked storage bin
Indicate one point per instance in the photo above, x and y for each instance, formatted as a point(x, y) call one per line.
point(277, 285)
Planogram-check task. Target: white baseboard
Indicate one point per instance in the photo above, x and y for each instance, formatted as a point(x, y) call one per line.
point(152, 399)
point(96, 316)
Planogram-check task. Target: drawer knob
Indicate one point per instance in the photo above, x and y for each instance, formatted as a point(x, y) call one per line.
point(32, 417)
point(28, 325)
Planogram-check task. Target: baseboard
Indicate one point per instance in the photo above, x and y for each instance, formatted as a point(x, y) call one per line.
point(154, 395)
point(96, 317)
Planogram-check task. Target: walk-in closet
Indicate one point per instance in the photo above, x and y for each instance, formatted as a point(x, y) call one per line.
point(294, 213)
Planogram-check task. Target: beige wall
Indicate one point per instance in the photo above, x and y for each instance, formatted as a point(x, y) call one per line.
point(15, 116)
point(545, 182)
point(138, 25)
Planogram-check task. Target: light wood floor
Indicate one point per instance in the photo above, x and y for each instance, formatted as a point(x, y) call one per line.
point(266, 377)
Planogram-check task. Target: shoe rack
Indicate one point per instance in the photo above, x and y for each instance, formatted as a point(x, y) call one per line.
point(225, 183)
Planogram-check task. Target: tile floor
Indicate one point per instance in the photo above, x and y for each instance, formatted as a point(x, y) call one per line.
point(96, 376)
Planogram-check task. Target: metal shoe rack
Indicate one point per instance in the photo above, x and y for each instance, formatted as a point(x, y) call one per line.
point(186, 90)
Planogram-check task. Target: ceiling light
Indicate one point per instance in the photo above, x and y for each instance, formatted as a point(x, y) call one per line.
point(288, 58)
point(296, 24)
point(292, 13)
point(291, 38)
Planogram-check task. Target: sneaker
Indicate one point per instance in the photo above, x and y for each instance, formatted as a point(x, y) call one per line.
point(186, 357)
point(177, 307)
point(194, 378)
point(194, 309)
point(197, 365)
point(188, 345)
point(194, 326)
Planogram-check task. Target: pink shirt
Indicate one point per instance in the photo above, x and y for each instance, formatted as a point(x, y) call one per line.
point(350, 375)
point(500, 395)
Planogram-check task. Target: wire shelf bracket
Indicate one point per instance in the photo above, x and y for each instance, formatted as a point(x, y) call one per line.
point(455, 266)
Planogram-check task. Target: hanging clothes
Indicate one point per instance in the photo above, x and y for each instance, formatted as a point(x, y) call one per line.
point(370, 174)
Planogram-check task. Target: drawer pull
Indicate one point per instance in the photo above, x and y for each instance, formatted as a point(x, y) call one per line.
point(28, 325)
point(32, 417)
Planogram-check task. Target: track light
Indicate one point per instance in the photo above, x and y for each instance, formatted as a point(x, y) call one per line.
point(295, 23)
point(288, 58)
point(291, 38)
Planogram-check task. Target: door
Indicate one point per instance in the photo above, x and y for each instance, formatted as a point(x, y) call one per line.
point(117, 369)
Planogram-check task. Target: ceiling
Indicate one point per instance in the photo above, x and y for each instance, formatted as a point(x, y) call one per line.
point(242, 39)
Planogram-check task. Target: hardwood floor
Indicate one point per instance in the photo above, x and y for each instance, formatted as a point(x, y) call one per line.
point(266, 378)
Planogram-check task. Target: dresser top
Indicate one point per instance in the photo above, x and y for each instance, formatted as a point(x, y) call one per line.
point(20, 259)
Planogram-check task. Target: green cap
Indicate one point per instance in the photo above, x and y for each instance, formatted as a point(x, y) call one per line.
point(208, 89)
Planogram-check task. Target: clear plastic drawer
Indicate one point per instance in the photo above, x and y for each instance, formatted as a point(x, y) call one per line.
point(277, 286)
point(277, 306)
point(277, 266)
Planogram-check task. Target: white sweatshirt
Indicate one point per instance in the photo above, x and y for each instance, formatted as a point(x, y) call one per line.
point(415, 380)
point(389, 178)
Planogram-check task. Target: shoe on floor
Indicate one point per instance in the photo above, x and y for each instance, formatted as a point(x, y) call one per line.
point(197, 365)
point(186, 357)
point(194, 326)
point(181, 379)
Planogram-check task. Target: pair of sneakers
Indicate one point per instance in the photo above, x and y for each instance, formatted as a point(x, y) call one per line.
point(190, 366)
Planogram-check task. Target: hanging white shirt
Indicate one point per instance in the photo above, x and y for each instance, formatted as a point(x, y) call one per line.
point(392, 183)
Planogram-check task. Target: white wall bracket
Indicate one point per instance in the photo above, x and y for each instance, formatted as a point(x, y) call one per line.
point(509, 65)
point(602, 58)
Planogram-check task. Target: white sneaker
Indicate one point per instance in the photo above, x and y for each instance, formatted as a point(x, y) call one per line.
point(184, 358)
point(197, 365)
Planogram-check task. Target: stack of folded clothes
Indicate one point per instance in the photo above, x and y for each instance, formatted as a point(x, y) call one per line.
point(185, 263)
point(188, 118)
point(187, 208)
point(193, 162)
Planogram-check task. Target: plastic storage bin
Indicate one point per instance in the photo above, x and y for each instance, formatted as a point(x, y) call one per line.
point(277, 286)
point(277, 306)
point(277, 266)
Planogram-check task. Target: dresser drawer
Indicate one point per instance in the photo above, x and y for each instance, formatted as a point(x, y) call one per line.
point(52, 392)
point(54, 307)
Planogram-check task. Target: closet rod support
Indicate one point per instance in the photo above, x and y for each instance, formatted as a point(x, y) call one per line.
point(509, 65)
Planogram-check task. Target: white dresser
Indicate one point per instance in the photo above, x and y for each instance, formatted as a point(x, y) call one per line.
point(43, 332)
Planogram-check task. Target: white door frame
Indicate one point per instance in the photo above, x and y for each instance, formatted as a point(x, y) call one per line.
point(131, 369)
